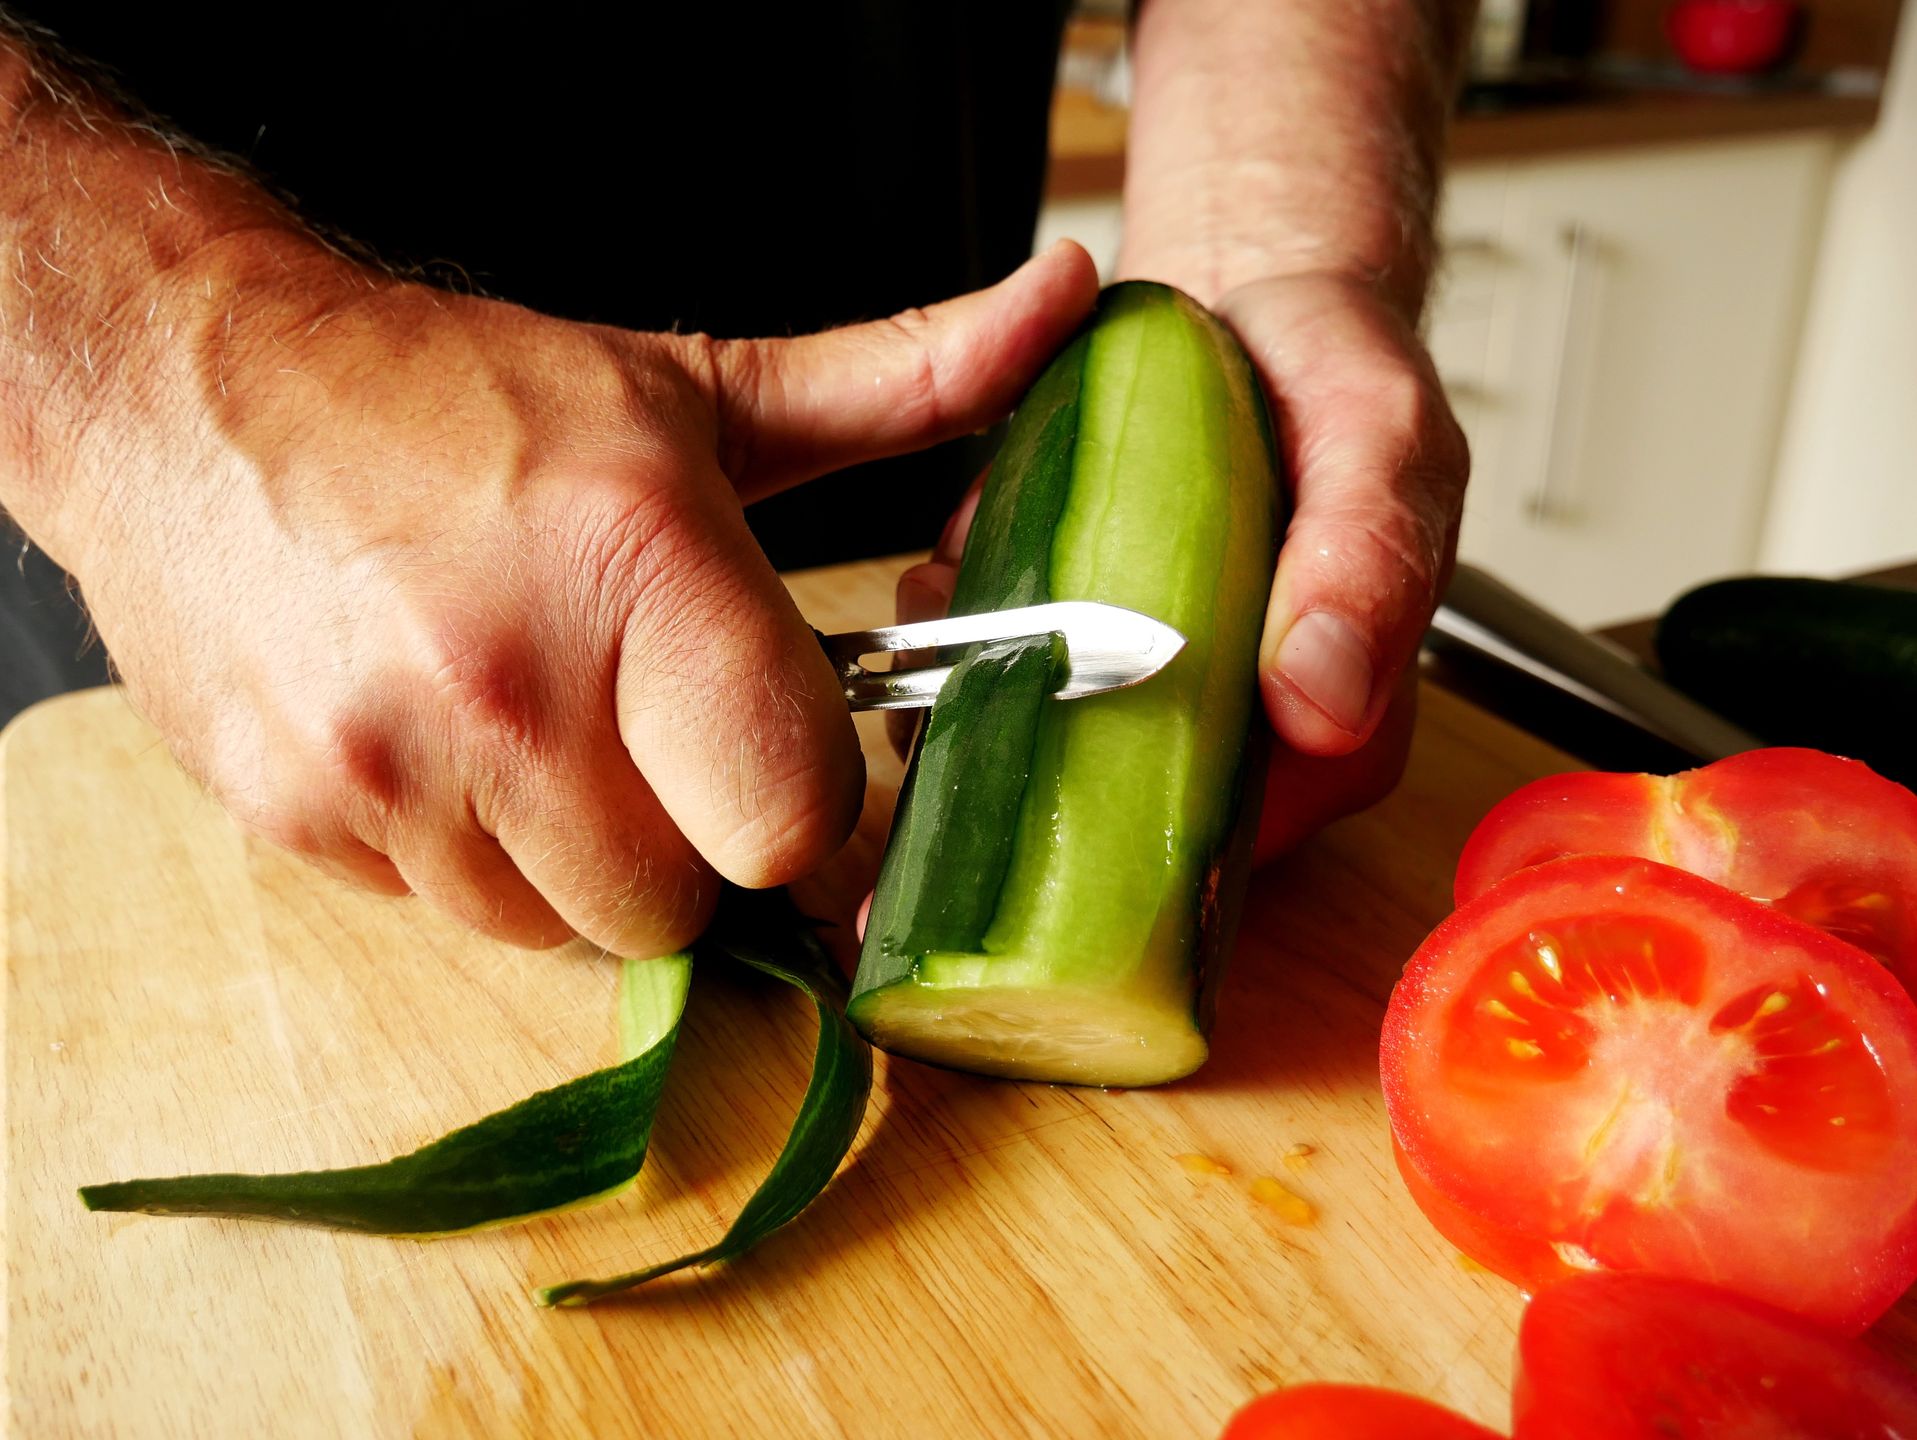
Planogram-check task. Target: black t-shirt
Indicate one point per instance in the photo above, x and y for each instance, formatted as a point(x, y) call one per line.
point(741, 169)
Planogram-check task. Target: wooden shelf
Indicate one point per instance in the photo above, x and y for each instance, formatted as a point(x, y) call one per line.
point(1088, 139)
point(1653, 118)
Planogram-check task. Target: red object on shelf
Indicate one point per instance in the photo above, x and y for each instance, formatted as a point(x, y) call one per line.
point(1732, 37)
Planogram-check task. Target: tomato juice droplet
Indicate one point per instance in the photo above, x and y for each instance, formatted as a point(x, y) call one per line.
point(1291, 1208)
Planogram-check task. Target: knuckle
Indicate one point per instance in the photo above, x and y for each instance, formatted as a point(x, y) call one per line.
point(462, 872)
point(296, 829)
point(1401, 400)
point(917, 393)
point(738, 377)
point(289, 790)
point(657, 906)
point(481, 679)
point(499, 919)
point(913, 320)
point(791, 824)
point(288, 832)
point(361, 763)
point(1387, 520)
point(1436, 458)
point(1388, 562)
point(638, 554)
point(1404, 549)
point(627, 888)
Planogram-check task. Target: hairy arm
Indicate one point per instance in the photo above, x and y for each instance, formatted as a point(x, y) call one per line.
point(1294, 136)
point(126, 255)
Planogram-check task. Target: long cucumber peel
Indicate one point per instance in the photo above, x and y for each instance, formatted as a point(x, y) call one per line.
point(585, 1140)
point(757, 931)
point(1088, 935)
point(576, 1143)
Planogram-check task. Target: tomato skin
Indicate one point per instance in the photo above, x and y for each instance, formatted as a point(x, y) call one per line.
point(1619, 1357)
point(1348, 1412)
point(1527, 1262)
point(1825, 839)
point(1695, 1050)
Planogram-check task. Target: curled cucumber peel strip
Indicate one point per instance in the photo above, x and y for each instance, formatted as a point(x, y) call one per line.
point(759, 931)
point(579, 1142)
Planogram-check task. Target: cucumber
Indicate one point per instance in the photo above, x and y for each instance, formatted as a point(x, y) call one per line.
point(1824, 663)
point(583, 1141)
point(1077, 935)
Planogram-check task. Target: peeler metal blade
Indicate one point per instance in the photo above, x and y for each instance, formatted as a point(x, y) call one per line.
point(1107, 647)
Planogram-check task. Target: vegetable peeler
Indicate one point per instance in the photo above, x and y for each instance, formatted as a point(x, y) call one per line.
point(1107, 647)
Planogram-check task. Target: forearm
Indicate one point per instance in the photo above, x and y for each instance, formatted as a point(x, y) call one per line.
point(1289, 136)
point(126, 259)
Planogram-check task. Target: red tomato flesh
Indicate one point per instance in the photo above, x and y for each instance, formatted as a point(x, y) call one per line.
point(1631, 1068)
point(1641, 1357)
point(1348, 1412)
point(1526, 1261)
point(1829, 841)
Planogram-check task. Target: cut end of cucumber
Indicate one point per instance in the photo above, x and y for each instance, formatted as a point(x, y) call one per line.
point(1064, 1036)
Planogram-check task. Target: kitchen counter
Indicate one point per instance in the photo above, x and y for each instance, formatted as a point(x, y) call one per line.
point(1088, 138)
point(1595, 737)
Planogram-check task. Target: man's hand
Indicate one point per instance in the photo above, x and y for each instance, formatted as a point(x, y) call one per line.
point(461, 600)
point(1377, 468)
point(440, 593)
point(455, 598)
point(1283, 168)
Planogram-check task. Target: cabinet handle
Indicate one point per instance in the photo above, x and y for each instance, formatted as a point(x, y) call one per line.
point(1470, 247)
point(1548, 501)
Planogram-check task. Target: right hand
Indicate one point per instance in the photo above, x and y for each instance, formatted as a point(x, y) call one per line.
point(448, 596)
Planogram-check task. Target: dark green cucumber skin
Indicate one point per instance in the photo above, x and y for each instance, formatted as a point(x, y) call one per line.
point(1008, 554)
point(940, 891)
point(1221, 901)
point(1823, 663)
point(1006, 564)
point(549, 1151)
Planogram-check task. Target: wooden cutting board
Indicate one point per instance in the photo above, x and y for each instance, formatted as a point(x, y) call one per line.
point(995, 1259)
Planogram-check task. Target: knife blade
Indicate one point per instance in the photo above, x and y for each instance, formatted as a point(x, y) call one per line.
point(1107, 647)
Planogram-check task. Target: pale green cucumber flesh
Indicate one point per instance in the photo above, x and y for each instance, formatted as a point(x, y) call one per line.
point(1100, 1035)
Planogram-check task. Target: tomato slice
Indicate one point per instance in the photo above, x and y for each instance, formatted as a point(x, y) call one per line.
point(1829, 841)
point(1619, 1357)
point(1639, 1070)
point(1348, 1412)
point(1527, 1261)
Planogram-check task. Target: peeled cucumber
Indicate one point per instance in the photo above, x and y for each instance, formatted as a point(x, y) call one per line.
point(1082, 941)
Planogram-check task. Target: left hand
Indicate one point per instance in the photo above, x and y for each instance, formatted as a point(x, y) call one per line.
point(1377, 469)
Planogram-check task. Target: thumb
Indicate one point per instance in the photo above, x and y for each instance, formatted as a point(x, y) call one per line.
point(790, 410)
point(1377, 468)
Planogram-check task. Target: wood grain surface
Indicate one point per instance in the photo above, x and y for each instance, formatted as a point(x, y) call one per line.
point(995, 1260)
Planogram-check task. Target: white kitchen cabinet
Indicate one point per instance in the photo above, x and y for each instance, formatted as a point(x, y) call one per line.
point(1617, 334)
